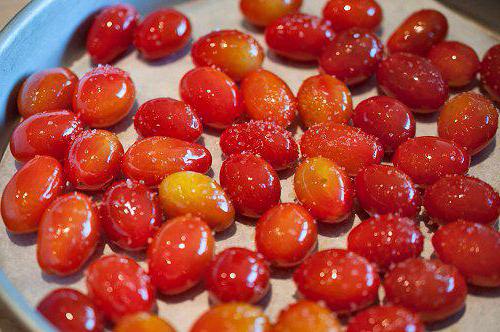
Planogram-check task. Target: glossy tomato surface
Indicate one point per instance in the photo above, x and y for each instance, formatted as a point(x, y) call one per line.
point(264, 12)
point(387, 319)
point(346, 14)
point(490, 72)
point(307, 316)
point(143, 322)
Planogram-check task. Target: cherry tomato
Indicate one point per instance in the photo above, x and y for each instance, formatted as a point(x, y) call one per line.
point(119, 287)
point(353, 56)
point(490, 72)
point(180, 254)
point(430, 288)
point(168, 117)
point(143, 322)
point(382, 189)
point(345, 281)
point(264, 12)
point(413, 80)
point(47, 90)
point(130, 214)
point(426, 159)
point(150, 159)
point(322, 99)
point(307, 316)
point(213, 95)
point(46, 133)
point(473, 249)
point(231, 51)
point(68, 310)
point(29, 192)
point(111, 33)
point(470, 120)
point(264, 139)
point(286, 234)
point(386, 118)
point(349, 147)
point(387, 319)
point(419, 32)
point(346, 14)
point(462, 197)
point(94, 160)
point(104, 96)
point(300, 37)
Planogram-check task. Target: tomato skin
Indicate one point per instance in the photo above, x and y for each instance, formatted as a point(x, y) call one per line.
point(307, 316)
point(151, 159)
point(419, 32)
point(472, 248)
point(46, 133)
point(71, 311)
point(143, 322)
point(162, 33)
point(490, 72)
point(346, 14)
point(263, 12)
point(427, 158)
point(180, 254)
point(286, 234)
point(385, 318)
point(29, 192)
point(111, 33)
point(130, 214)
point(430, 288)
point(119, 287)
point(46, 90)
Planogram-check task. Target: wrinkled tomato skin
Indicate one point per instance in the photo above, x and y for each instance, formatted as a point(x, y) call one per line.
point(462, 197)
point(238, 275)
point(263, 12)
point(111, 33)
point(490, 72)
point(29, 192)
point(93, 160)
point(352, 56)
point(427, 158)
point(151, 159)
point(143, 322)
point(286, 234)
point(180, 254)
point(346, 14)
point(382, 189)
point(104, 96)
point(119, 287)
point(252, 184)
point(470, 120)
point(430, 288)
point(328, 276)
point(162, 33)
point(130, 214)
point(231, 51)
point(386, 240)
point(386, 118)
point(307, 316)
point(299, 37)
point(47, 90)
point(267, 140)
point(323, 99)
point(213, 95)
point(46, 133)
point(419, 32)
point(472, 248)
point(71, 311)
point(414, 81)
point(349, 147)
point(387, 319)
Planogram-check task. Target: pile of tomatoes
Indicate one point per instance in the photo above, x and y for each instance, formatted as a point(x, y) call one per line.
point(77, 184)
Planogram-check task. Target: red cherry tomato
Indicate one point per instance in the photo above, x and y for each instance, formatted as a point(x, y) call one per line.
point(299, 37)
point(119, 287)
point(430, 288)
point(473, 249)
point(264, 139)
point(490, 72)
point(111, 33)
point(151, 159)
point(386, 118)
point(382, 189)
point(180, 254)
point(68, 310)
point(130, 214)
point(426, 159)
point(94, 160)
point(143, 322)
point(286, 234)
point(264, 12)
point(387, 319)
point(46, 133)
point(346, 14)
point(213, 95)
point(29, 192)
point(345, 281)
point(162, 33)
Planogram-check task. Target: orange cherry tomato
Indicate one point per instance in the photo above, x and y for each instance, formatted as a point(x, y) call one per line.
point(264, 12)
point(307, 316)
point(143, 322)
point(346, 14)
